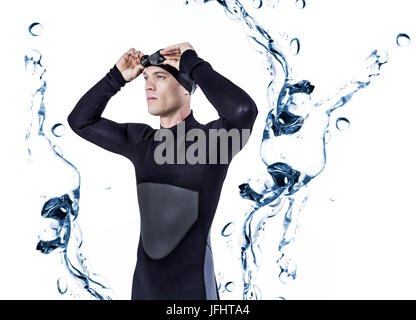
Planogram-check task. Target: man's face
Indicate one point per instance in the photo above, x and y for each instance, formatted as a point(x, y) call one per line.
point(169, 93)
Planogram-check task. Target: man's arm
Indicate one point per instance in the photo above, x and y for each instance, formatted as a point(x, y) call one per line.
point(86, 121)
point(235, 107)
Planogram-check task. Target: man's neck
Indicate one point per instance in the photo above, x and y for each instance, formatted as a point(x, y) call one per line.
point(172, 119)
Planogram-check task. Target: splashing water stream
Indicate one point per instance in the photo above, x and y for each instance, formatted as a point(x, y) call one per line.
point(58, 184)
point(293, 144)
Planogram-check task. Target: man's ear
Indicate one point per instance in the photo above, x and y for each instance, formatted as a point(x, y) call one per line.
point(185, 92)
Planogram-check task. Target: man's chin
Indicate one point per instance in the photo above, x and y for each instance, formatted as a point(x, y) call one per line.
point(157, 112)
point(153, 112)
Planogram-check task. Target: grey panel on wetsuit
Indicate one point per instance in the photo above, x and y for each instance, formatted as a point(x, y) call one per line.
point(167, 213)
point(211, 290)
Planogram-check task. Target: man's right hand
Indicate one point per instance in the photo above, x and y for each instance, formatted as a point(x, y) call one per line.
point(129, 64)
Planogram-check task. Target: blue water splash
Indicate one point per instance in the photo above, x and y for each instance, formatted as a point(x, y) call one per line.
point(293, 144)
point(62, 285)
point(295, 46)
point(58, 183)
point(342, 123)
point(35, 29)
point(228, 229)
point(300, 4)
point(58, 130)
point(402, 40)
point(229, 286)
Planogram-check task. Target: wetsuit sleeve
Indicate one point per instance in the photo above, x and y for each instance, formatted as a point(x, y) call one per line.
point(86, 121)
point(235, 107)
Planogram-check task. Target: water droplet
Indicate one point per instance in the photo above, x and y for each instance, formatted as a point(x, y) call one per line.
point(35, 29)
point(58, 150)
point(34, 56)
point(402, 40)
point(333, 195)
point(342, 124)
point(294, 46)
point(228, 229)
point(229, 245)
point(327, 136)
point(300, 4)
point(279, 298)
point(62, 286)
point(257, 4)
point(58, 129)
point(229, 286)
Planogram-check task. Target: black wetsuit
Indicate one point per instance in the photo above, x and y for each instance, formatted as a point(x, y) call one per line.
point(177, 202)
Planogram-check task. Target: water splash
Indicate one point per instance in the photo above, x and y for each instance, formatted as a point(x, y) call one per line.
point(327, 136)
point(225, 286)
point(35, 29)
point(58, 130)
point(300, 4)
point(342, 124)
point(228, 229)
point(230, 286)
point(62, 285)
point(257, 4)
point(295, 46)
point(292, 148)
point(402, 40)
point(58, 183)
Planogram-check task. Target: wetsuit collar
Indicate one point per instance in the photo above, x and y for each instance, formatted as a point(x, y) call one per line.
point(190, 121)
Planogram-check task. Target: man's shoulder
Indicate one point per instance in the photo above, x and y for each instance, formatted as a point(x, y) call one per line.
point(137, 130)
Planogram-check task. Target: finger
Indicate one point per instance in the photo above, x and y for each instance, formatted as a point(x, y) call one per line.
point(172, 56)
point(138, 68)
point(170, 49)
point(127, 54)
point(175, 46)
point(171, 53)
point(131, 58)
point(170, 61)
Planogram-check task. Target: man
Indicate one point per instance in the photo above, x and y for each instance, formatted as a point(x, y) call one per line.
point(177, 202)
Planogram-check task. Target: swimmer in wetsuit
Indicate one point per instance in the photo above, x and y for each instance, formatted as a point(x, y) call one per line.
point(177, 202)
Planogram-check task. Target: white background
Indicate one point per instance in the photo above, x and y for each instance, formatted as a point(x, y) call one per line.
point(360, 246)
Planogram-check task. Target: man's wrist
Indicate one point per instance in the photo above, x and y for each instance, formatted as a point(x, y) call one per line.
point(117, 76)
point(188, 61)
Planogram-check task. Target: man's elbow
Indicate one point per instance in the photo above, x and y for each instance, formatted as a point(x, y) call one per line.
point(254, 112)
point(248, 114)
point(71, 121)
point(74, 123)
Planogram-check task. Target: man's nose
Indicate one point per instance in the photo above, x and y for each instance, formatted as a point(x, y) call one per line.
point(149, 85)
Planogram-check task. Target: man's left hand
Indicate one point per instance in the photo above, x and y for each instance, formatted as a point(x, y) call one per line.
point(173, 53)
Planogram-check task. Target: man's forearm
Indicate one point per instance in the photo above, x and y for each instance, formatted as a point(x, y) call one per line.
point(231, 102)
point(92, 104)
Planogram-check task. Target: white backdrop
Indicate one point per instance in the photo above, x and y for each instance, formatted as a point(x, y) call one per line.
point(359, 246)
